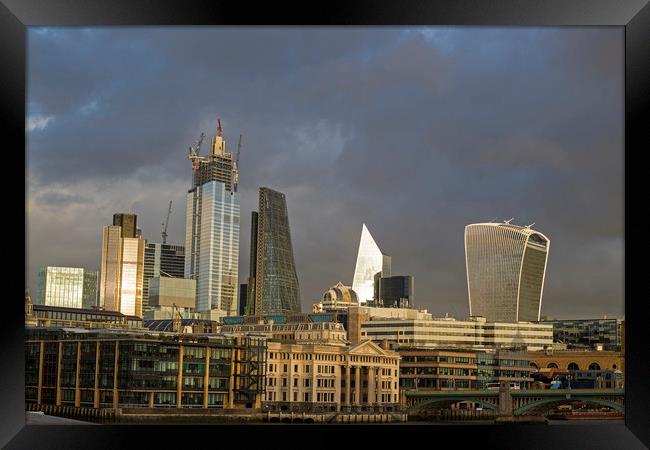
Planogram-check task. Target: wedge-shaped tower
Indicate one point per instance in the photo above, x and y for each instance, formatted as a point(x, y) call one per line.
point(506, 267)
point(370, 261)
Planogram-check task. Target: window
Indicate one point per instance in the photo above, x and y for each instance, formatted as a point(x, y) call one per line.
point(285, 367)
point(295, 396)
point(295, 382)
point(295, 367)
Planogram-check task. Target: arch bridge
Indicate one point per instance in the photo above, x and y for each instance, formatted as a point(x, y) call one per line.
point(517, 402)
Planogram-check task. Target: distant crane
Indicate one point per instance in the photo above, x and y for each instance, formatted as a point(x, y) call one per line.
point(165, 223)
point(177, 319)
point(235, 168)
point(194, 153)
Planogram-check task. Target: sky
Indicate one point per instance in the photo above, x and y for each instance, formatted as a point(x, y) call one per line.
point(416, 132)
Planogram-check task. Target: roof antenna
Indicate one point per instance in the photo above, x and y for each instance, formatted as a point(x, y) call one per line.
point(528, 226)
point(509, 220)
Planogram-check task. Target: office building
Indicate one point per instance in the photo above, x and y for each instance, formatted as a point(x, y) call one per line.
point(592, 334)
point(119, 369)
point(274, 281)
point(59, 316)
point(161, 260)
point(370, 261)
point(249, 308)
point(70, 287)
point(212, 230)
point(506, 267)
point(421, 331)
point(394, 292)
point(458, 369)
point(166, 291)
point(122, 266)
point(308, 377)
point(330, 333)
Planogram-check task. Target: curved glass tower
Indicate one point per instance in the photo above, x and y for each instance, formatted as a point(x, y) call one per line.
point(370, 261)
point(506, 266)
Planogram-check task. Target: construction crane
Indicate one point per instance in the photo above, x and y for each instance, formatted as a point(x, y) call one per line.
point(235, 167)
point(165, 223)
point(177, 319)
point(194, 153)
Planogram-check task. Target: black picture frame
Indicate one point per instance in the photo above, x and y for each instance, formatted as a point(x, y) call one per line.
point(634, 15)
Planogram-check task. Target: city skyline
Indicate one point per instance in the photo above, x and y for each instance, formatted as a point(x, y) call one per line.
point(551, 154)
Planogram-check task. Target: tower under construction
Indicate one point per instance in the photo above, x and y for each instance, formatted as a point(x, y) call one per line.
point(212, 228)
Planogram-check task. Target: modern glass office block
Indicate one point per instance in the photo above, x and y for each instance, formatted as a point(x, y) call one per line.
point(276, 282)
point(370, 261)
point(61, 286)
point(506, 266)
point(161, 260)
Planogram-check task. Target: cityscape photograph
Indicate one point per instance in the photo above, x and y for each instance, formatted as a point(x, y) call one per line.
point(324, 225)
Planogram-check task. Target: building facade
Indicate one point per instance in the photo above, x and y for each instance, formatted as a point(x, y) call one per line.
point(318, 378)
point(57, 316)
point(212, 231)
point(122, 270)
point(588, 333)
point(394, 292)
point(161, 260)
point(446, 332)
point(178, 292)
point(428, 369)
point(370, 261)
point(337, 298)
point(109, 369)
point(70, 287)
point(506, 268)
point(275, 286)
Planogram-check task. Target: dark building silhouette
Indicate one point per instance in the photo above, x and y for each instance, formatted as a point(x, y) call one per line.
point(243, 298)
point(394, 292)
point(273, 284)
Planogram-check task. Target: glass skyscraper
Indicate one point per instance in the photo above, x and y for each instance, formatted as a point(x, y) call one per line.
point(122, 267)
point(370, 261)
point(394, 292)
point(506, 266)
point(212, 231)
point(70, 287)
point(274, 284)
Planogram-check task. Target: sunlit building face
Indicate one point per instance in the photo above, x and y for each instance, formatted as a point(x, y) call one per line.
point(506, 266)
point(370, 261)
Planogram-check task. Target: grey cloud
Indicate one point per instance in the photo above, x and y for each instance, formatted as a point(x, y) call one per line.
point(414, 132)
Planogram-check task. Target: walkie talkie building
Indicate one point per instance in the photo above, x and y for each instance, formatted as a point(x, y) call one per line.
point(506, 267)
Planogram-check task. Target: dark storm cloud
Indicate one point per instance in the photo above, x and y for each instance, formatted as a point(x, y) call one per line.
point(415, 132)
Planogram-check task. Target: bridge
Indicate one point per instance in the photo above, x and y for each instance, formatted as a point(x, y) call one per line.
point(514, 402)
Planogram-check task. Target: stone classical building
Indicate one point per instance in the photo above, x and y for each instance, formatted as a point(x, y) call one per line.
point(317, 377)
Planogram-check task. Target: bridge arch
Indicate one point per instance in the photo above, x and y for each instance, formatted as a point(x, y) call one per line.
point(601, 401)
point(421, 405)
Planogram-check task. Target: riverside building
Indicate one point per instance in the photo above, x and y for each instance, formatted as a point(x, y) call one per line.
point(111, 369)
point(316, 377)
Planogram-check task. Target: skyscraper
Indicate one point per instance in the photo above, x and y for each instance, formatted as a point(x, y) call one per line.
point(212, 229)
point(506, 267)
point(161, 260)
point(370, 261)
point(274, 282)
point(71, 287)
point(122, 266)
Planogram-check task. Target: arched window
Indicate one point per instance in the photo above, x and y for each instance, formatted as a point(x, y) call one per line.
point(534, 366)
point(573, 366)
point(551, 366)
point(594, 366)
